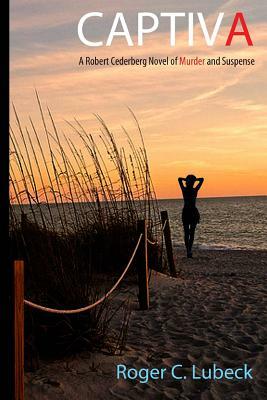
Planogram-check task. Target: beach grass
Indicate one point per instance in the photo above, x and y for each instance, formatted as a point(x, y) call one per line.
point(75, 199)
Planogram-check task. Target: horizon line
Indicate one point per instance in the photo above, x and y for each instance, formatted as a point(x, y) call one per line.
point(156, 199)
point(215, 197)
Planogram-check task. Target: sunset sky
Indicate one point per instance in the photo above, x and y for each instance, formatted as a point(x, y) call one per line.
point(210, 121)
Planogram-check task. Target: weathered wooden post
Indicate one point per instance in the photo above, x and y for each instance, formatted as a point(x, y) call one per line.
point(18, 330)
point(143, 267)
point(168, 242)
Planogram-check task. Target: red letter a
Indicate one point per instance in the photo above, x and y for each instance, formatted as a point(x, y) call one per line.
point(239, 17)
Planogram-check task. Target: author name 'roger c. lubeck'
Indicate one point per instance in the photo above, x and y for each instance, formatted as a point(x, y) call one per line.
point(176, 372)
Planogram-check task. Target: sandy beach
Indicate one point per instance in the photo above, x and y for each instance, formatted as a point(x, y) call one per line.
point(215, 312)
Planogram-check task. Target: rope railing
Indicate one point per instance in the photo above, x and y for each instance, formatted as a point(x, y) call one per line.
point(90, 306)
point(153, 243)
point(19, 301)
point(164, 226)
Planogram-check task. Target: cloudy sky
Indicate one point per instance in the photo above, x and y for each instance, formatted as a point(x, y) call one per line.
point(210, 121)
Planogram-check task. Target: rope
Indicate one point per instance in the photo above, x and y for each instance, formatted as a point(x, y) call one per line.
point(162, 230)
point(157, 223)
point(152, 243)
point(164, 226)
point(90, 306)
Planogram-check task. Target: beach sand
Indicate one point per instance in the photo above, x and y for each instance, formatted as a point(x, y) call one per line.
point(215, 312)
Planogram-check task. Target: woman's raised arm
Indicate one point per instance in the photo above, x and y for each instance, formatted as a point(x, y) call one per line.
point(200, 183)
point(181, 180)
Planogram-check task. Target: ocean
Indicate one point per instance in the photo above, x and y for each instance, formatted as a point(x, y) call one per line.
point(225, 223)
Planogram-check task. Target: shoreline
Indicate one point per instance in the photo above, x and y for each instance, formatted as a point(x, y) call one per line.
point(196, 249)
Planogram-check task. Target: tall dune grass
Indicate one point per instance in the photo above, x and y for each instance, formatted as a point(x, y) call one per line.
point(75, 199)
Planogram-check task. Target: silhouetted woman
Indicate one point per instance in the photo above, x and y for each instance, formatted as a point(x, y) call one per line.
point(190, 215)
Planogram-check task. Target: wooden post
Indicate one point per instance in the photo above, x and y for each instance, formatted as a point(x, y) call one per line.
point(18, 330)
point(168, 242)
point(143, 267)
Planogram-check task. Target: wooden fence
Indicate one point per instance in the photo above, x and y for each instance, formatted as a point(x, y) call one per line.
point(143, 283)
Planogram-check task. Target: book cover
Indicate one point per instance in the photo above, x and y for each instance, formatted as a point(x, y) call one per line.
point(137, 191)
